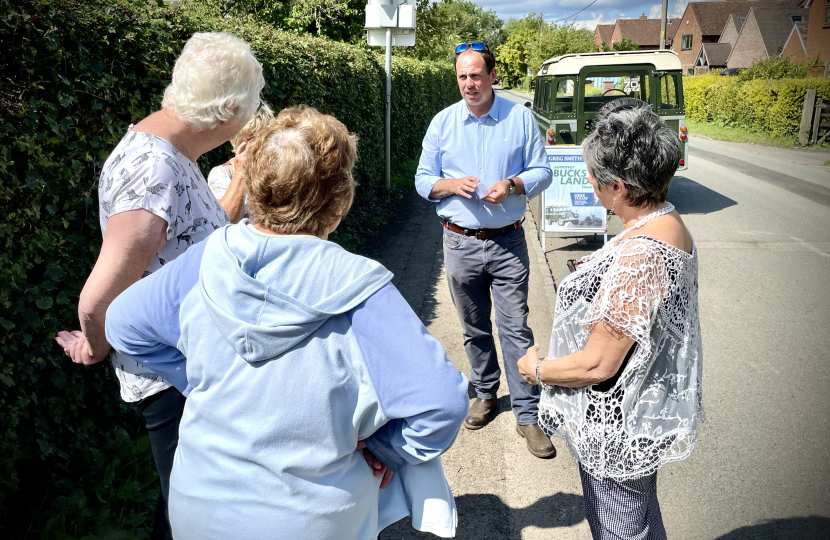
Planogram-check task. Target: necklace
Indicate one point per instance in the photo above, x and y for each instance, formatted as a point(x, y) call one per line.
point(618, 238)
point(659, 212)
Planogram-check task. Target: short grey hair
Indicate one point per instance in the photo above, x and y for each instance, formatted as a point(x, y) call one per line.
point(636, 147)
point(216, 78)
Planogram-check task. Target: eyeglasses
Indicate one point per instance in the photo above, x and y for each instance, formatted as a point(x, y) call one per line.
point(261, 105)
point(476, 46)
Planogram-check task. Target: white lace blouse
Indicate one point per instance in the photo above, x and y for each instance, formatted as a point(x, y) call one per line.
point(648, 290)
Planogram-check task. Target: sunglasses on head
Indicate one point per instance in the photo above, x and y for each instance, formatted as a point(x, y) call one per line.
point(475, 45)
point(261, 104)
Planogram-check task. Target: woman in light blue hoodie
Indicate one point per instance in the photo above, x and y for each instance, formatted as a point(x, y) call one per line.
point(296, 350)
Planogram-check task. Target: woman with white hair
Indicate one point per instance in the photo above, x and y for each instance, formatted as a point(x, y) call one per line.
point(154, 204)
point(622, 380)
point(295, 355)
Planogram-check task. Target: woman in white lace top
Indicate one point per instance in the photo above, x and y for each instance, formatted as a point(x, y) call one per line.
point(622, 379)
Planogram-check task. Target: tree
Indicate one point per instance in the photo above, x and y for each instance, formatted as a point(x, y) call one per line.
point(443, 25)
point(512, 54)
point(341, 20)
point(524, 48)
point(626, 44)
point(557, 40)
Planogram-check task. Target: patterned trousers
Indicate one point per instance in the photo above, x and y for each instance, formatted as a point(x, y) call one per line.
point(622, 510)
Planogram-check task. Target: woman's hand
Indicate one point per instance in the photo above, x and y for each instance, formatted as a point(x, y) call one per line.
point(378, 468)
point(527, 364)
point(76, 347)
point(239, 158)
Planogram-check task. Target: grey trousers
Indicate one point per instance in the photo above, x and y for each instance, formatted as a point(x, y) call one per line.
point(501, 266)
point(622, 510)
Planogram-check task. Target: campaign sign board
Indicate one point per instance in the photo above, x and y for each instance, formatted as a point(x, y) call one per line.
point(569, 204)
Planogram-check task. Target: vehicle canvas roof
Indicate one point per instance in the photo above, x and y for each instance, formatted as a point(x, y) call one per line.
point(570, 64)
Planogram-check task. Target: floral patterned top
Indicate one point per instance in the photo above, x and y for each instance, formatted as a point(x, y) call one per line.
point(649, 416)
point(146, 171)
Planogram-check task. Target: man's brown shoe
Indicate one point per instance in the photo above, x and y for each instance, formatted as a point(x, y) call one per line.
point(479, 414)
point(537, 442)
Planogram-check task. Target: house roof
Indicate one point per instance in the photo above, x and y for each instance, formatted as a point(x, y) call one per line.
point(605, 31)
point(775, 25)
point(711, 16)
point(735, 20)
point(671, 28)
point(716, 53)
point(646, 32)
point(799, 32)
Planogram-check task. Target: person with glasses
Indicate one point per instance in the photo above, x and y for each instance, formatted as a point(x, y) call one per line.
point(482, 158)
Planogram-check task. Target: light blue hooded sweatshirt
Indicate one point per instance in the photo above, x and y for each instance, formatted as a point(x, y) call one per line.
point(295, 350)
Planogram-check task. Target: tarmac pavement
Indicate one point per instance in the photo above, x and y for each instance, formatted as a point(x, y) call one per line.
point(762, 466)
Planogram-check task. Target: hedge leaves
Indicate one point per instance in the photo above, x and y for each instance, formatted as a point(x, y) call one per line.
point(73, 75)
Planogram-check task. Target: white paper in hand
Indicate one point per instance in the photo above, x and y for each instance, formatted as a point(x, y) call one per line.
point(481, 190)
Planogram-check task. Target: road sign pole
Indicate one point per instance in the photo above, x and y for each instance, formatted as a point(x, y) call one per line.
point(393, 20)
point(388, 107)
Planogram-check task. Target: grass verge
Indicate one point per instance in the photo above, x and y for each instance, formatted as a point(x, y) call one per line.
point(738, 134)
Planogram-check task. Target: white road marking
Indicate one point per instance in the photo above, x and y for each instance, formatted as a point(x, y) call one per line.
point(811, 247)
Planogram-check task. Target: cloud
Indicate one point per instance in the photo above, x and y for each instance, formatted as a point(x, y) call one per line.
point(675, 10)
point(601, 12)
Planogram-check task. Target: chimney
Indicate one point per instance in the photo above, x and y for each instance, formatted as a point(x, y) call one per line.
point(643, 17)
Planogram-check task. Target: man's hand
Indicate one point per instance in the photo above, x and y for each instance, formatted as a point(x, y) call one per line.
point(378, 468)
point(527, 364)
point(445, 187)
point(498, 192)
point(76, 347)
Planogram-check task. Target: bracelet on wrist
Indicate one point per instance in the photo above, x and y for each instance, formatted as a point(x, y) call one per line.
point(538, 377)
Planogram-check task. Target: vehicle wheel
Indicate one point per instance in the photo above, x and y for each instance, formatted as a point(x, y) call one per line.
point(561, 222)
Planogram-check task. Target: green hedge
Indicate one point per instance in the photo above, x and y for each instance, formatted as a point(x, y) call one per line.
point(771, 106)
point(73, 461)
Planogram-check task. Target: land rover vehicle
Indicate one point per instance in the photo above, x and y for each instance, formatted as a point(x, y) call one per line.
point(571, 89)
point(561, 215)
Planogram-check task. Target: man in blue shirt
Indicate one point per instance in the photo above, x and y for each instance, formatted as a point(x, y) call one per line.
point(482, 159)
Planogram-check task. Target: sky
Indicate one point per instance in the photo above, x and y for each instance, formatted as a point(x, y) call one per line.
point(601, 12)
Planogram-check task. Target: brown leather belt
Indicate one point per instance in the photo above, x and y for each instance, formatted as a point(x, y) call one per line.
point(482, 234)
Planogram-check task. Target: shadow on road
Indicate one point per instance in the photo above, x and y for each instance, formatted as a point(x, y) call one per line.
point(806, 528)
point(689, 197)
point(411, 247)
point(487, 516)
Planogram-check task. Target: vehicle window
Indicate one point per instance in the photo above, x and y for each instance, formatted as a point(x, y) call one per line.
point(565, 96)
point(600, 88)
point(669, 98)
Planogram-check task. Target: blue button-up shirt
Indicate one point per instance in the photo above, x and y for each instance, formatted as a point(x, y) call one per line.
point(503, 143)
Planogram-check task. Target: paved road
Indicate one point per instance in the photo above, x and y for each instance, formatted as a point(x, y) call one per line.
point(761, 221)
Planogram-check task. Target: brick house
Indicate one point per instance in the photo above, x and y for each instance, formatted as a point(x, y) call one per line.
point(795, 48)
point(602, 34)
point(763, 34)
point(703, 22)
point(644, 32)
point(730, 32)
point(713, 56)
point(818, 31)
